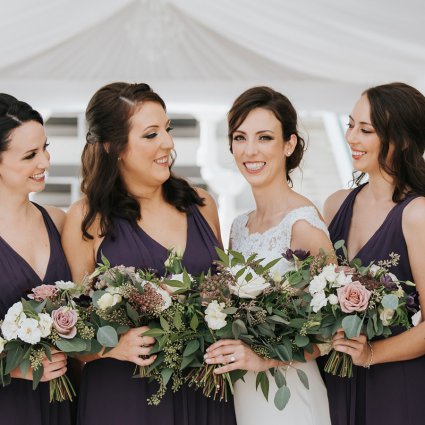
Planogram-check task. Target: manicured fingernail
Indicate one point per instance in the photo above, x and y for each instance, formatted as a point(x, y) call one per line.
point(205, 356)
point(207, 360)
point(208, 349)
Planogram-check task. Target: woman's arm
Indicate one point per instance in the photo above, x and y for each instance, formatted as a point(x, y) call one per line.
point(82, 261)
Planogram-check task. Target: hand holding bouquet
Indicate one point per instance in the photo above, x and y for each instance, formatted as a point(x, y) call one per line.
point(34, 329)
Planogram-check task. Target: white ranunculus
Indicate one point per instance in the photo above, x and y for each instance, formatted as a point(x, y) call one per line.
point(108, 300)
point(386, 316)
point(9, 329)
point(248, 288)
point(333, 299)
point(329, 273)
point(319, 300)
point(29, 331)
point(2, 342)
point(166, 298)
point(277, 277)
point(45, 324)
point(61, 284)
point(342, 279)
point(14, 312)
point(214, 315)
point(317, 284)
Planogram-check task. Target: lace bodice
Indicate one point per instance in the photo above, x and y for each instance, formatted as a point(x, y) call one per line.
point(275, 240)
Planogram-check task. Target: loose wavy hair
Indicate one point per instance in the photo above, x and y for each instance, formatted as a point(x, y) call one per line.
point(108, 117)
point(397, 113)
point(267, 98)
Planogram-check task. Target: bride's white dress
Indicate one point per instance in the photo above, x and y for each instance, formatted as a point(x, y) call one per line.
point(306, 406)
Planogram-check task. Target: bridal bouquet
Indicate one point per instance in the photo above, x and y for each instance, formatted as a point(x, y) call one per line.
point(50, 319)
point(359, 299)
point(245, 301)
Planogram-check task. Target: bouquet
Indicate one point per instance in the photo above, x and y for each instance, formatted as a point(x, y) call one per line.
point(124, 298)
point(360, 299)
point(245, 301)
point(50, 319)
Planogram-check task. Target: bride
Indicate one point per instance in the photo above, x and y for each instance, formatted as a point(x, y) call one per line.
point(266, 146)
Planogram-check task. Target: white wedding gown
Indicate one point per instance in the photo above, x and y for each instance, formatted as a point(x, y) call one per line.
point(306, 406)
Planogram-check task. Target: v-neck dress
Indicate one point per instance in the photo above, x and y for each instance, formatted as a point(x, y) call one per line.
point(389, 393)
point(19, 404)
point(109, 395)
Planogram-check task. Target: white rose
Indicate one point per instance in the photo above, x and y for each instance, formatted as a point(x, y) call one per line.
point(386, 315)
point(333, 299)
point(9, 329)
point(342, 279)
point(166, 297)
point(329, 273)
point(45, 324)
point(318, 284)
point(14, 312)
point(319, 300)
point(65, 285)
point(248, 288)
point(106, 301)
point(374, 269)
point(2, 342)
point(29, 331)
point(214, 315)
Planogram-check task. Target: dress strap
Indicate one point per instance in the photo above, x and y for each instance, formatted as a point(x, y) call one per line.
point(308, 214)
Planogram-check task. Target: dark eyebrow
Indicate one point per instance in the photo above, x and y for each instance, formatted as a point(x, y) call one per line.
point(157, 126)
point(34, 150)
point(258, 132)
point(361, 122)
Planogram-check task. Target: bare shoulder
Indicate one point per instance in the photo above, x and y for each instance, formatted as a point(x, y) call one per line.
point(77, 210)
point(57, 215)
point(209, 211)
point(333, 203)
point(414, 214)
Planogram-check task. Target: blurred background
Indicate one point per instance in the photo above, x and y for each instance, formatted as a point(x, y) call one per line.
point(199, 56)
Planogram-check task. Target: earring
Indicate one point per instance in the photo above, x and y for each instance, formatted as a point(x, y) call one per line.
point(288, 154)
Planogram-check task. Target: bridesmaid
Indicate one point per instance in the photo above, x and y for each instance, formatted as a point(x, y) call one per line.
point(135, 209)
point(386, 134)
point(30, 252)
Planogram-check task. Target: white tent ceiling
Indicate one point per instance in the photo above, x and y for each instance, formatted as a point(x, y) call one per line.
point(321, 53)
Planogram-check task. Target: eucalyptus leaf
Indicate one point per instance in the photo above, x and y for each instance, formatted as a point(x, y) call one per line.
point(390, 301)
point(107, 336)
point(279, 378)
point(282, 397)
point(194, 322)
point(166, 375)
point(76, 344)
point(37, 374)
point(303, 378)
point(352, 325)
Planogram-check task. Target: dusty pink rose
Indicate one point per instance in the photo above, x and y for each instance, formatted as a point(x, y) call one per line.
point(64, 320)
point(42, 292)
point(353, 297)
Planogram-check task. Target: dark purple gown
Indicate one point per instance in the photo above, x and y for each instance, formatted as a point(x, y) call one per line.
point(389, 393)
point(19, 404)
point(109, 395)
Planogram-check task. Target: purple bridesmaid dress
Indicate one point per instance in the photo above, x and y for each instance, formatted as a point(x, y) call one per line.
point(19, 404)
point(109, 395)
point(389, 393)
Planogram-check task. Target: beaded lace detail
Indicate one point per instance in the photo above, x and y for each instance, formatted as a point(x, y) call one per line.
point(275, 240)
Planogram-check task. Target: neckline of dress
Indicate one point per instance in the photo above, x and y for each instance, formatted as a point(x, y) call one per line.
point(276, 226)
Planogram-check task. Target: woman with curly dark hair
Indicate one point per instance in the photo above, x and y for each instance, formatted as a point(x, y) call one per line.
point(133, 212)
